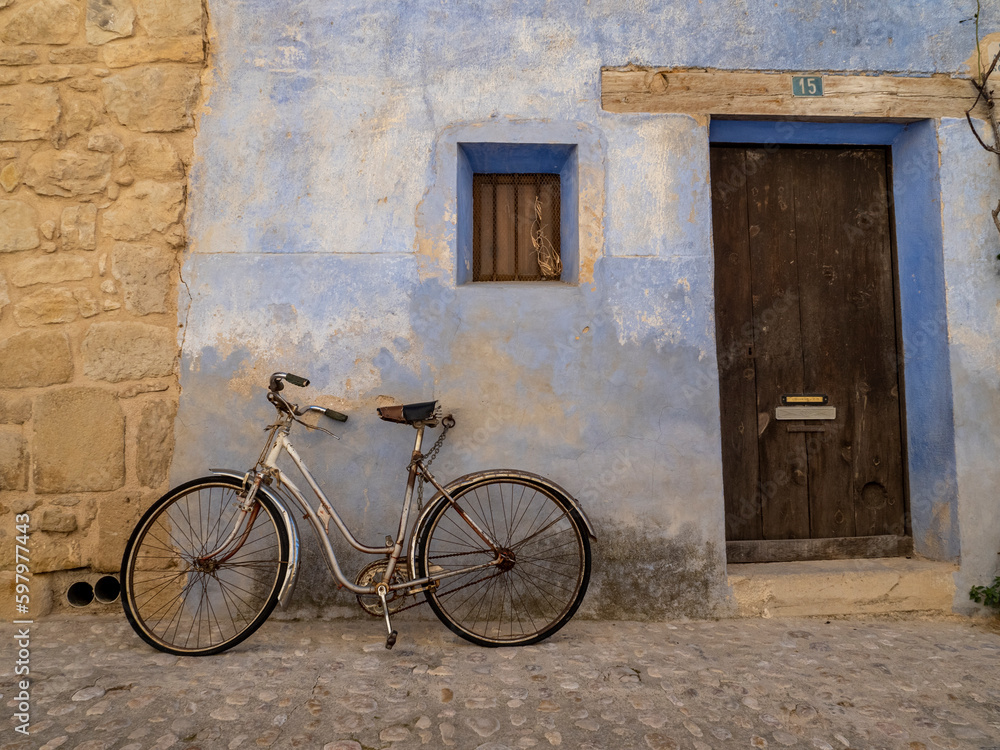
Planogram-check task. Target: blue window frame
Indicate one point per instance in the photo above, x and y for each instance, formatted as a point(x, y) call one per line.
point(512, 159)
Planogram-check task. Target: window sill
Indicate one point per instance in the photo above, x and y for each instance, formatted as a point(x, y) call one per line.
point(546, 286)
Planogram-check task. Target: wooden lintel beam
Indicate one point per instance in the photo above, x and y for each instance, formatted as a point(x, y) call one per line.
point(743, 94)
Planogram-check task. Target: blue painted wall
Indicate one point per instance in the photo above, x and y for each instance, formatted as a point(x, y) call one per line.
point(970, 189)
point(325, 240)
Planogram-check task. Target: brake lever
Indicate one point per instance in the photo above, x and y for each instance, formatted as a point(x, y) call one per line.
point(326, 412)
point(314, 427)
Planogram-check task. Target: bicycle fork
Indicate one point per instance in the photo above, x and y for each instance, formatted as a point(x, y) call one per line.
point(231, 545)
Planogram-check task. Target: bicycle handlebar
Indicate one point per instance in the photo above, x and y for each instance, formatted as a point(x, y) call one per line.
point(275, 385)
point(323, 410)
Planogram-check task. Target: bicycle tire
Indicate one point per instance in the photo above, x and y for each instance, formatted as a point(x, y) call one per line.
point(537, 590)
point(180, 609)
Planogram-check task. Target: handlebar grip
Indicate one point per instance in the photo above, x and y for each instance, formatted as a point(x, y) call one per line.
point(297, 380)
point(335, 415)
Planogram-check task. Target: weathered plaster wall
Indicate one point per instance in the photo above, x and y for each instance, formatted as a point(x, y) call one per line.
point(970, 190)
point(97, 106)
point(323, 220)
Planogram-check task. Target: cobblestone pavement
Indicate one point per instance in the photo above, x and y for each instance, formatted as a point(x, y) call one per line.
point(804, 683)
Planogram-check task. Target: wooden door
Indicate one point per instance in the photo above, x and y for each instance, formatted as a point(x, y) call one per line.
point(806, 312)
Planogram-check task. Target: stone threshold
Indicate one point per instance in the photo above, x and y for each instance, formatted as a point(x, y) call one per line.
point(843, 587)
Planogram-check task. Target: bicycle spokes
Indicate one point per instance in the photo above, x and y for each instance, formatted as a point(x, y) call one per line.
point(542, 561)
point(198, 578)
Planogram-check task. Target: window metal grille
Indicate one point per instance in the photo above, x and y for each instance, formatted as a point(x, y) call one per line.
point(504, 222)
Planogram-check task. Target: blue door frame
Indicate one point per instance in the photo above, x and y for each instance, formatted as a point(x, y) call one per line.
point(916, 204)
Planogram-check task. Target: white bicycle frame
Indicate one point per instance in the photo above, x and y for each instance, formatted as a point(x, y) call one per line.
point(320, 521)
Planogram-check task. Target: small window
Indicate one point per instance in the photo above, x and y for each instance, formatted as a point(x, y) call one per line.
point(515, 227)
point(516, 217)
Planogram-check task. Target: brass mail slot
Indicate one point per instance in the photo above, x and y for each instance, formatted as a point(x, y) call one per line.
point(801, 399)
point(805, 412)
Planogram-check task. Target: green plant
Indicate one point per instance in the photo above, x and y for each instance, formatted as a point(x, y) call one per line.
point(988, 595)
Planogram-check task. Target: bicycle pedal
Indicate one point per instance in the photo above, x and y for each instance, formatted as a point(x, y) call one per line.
point(434, 569)
point(391, 640)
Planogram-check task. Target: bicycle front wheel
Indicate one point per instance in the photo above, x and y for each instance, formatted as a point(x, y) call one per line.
point(182, 603)
point(543, 551)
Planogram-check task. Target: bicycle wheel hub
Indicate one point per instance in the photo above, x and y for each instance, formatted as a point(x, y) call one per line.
point(209, 565)
point(507, 560)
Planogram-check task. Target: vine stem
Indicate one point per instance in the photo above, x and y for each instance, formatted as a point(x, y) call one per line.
point(985, 92)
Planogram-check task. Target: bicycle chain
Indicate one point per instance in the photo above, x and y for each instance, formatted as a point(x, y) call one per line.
point(450, 591)
point(430, 456)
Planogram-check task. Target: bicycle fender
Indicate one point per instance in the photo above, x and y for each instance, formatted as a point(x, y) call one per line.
point(462, 482)
point(292, 572)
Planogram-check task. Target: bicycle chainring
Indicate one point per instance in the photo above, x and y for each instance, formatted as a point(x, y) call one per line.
point(370, 575)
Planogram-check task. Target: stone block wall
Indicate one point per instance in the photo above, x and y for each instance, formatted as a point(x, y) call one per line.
point(97, 104)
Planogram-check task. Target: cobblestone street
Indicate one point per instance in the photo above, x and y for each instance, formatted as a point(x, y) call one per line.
point(804, 683)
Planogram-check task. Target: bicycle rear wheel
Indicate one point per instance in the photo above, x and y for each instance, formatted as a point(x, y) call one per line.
point(179, 602)
point(546, 564)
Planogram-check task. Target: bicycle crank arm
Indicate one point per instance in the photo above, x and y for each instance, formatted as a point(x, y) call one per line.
point(382, 590)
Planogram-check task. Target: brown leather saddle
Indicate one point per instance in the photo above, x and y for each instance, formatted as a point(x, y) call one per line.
point(408, 413)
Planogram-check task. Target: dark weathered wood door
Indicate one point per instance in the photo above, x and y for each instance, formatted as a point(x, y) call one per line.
point(806, 306)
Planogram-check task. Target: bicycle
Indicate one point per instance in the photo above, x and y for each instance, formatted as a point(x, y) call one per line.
point(502, 557)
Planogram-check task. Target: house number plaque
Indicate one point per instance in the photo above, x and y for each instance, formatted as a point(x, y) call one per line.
point(807, 85)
